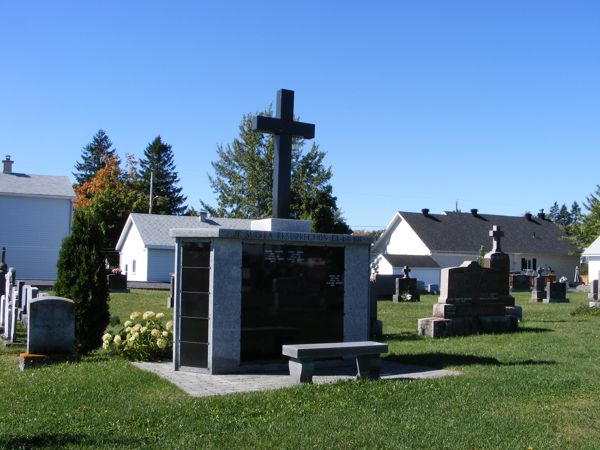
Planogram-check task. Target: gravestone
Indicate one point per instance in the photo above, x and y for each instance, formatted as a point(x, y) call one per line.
point(556, 292)
point(593, 295)
point(473, 298)
point(433, 288)
point(8, 310)
point(539, 288)
point(520, 282)
point(3, 270)
point(406, 288)
point(50, 331)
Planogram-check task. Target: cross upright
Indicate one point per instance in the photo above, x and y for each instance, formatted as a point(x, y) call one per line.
point(496, 233)
point(285, 129)
point(406, 271)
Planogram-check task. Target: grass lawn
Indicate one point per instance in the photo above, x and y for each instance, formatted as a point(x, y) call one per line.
point(536, 388)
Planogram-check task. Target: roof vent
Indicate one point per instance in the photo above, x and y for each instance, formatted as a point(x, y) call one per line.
point(528, 216)
point(203, 216)
point(542, 214)
point(7, 165)
point(425, 212)
point(474, 211)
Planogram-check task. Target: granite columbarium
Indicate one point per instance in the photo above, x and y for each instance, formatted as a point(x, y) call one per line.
point(242, 292)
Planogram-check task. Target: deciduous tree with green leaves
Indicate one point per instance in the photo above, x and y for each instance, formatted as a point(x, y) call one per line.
point(93, 156)
point(243, 181)
point(587, 228)
point(158, 159)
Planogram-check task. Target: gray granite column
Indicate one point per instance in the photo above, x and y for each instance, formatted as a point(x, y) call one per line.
point(225, 306)
point(356, 293)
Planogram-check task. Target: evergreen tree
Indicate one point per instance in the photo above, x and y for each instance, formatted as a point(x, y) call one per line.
point(564, 217)
point(553, 213)
point(243, 181)
point(92, 156)
point(158, 159)
point(81, 277)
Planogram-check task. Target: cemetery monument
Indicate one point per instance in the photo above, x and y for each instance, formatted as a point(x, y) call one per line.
point(474, 299)
point(241, 293)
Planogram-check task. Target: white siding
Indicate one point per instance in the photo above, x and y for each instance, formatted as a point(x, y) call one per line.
point(32, 230)
point(161, 263)
point(134, 250)
point(593, 268)
point(404, 241)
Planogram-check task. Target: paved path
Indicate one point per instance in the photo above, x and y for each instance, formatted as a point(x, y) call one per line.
point(203, 385)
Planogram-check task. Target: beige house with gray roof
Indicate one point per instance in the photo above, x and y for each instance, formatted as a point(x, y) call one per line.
point(35, 217)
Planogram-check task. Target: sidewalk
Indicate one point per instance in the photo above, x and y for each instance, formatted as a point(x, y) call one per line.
point(203, 385)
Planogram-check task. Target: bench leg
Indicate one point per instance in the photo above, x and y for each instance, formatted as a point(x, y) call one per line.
point(368, 366)
point(301, 372)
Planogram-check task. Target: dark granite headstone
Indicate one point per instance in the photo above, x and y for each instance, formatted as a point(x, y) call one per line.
point(556, 292)
point(406, 288)
point(593, 295)
point(520, 282)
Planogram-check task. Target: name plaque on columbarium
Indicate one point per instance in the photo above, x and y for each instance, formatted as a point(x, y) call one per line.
point(242, 294)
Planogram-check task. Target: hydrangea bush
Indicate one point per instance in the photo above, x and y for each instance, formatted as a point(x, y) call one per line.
point(142, 338)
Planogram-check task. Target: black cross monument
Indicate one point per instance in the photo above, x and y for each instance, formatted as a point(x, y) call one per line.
point(285, 129)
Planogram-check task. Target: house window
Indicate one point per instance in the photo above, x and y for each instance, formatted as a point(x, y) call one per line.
point(133, 266)
point(523, 264)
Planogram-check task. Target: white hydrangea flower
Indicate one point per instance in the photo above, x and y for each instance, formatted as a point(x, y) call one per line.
point(117, 340)
point(161, 343)
point(128, 324)
point(165, 333)
point(169, 325)
point(155, 332)
point(148, 315)
point(135, 315)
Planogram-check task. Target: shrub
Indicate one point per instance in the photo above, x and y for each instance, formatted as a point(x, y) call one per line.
point(81, 277)
point(142, 338)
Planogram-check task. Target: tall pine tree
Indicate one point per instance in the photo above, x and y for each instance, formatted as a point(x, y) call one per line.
point(93, 156)
point(243, 181)
point(158, 159)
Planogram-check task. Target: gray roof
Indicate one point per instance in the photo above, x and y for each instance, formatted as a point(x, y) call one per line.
point(154, 228)
point(36, 185)
point(411, 260)
point(465, 232)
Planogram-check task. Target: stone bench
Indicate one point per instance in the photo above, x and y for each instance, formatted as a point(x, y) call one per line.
point(302, 357)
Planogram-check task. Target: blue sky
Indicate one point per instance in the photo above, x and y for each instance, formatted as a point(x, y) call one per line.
point(494, 104)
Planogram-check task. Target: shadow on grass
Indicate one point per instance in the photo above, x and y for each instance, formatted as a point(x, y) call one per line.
point(403, 336)
point(54, 440)
point(442, 360)
point(533, 330)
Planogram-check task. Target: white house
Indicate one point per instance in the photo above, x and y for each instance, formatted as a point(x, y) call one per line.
point(147, 252)
point(35, 217)
point(429, 242)
point(592, 255)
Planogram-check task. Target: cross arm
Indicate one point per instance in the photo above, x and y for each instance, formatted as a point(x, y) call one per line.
point(278, 126)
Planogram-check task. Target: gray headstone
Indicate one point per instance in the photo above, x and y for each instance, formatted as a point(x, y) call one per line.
point(51, 326)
